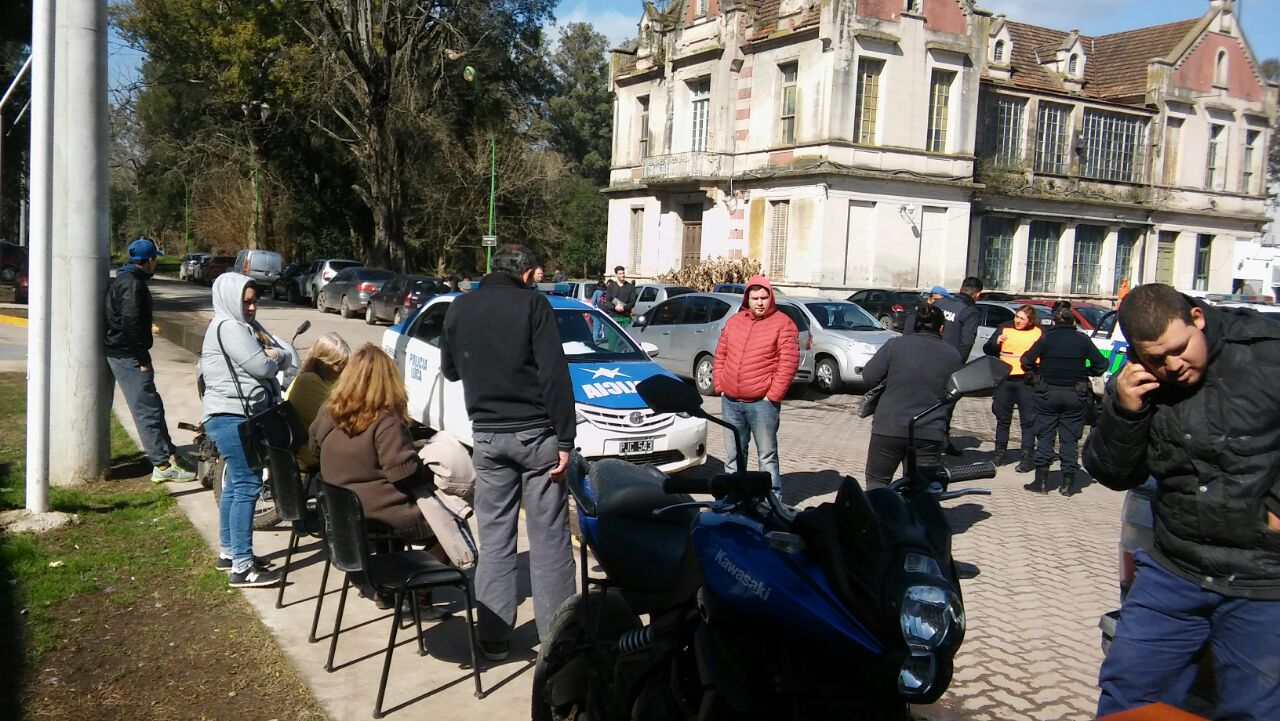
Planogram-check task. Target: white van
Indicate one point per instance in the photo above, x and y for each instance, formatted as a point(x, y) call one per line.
point(261, 265)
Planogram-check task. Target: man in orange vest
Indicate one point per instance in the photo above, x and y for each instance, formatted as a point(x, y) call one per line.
point(1008, 343)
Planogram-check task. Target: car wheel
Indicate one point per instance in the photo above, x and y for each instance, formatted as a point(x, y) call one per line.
point(702, 375)
point(827, 375)
point(315, 297)
point(397, 318)
point(345, 309)
point(887, 322)
point(292, 295)
point(8, 274)
point(369, 317)
point(321, 305)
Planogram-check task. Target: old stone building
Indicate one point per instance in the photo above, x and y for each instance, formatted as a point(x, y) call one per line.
point(856, 143)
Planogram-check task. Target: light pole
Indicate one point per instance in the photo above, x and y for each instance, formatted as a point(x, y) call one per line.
point(469, 74)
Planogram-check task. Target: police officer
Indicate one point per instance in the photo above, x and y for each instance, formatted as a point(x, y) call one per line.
point(961, 330)
point(1009, 343)
point(1059, 359)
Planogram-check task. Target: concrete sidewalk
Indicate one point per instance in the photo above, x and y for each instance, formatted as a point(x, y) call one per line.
point(419, 687)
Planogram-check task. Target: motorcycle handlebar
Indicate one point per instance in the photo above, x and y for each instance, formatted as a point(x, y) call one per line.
point(971, 472)
point(750, 483)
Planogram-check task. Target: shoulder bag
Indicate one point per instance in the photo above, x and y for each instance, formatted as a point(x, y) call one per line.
point(278, 426)
point(870, 400)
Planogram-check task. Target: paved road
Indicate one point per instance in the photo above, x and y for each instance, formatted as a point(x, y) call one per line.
point(1048, 563)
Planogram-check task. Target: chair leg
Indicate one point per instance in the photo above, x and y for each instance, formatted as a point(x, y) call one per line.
point(417, 618)
point(284, 575)
point(471, 632)
point(324, 586)
point(391, 647)
point(337, 624)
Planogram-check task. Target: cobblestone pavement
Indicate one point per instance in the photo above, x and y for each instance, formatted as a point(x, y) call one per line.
point(1048, 564)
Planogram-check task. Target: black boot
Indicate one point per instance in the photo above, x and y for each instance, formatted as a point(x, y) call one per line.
point(1027, 464)
point(1002, 457)
point(1041, 481)
point(1068, 487)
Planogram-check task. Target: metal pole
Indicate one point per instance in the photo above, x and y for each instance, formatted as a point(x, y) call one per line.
point(493, 180)
point(39, 248)
point(81, 387)
point(3, 100)
point(186, 217)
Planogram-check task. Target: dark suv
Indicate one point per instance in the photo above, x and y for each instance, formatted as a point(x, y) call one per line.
point(12, 259)
point(889, 306)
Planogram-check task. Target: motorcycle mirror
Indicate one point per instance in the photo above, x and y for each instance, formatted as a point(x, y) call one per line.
point(665, 394)
point(979, 375)
point(306, 325)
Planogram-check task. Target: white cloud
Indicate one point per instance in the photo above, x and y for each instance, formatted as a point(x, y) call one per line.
point(617, 24)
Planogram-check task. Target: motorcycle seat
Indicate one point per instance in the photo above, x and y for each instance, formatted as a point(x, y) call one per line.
point(640, 551)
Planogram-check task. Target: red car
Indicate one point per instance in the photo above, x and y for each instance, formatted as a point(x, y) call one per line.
point(1087, 314)
point(216, 266)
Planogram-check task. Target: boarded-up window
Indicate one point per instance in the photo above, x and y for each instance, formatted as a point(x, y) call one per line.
point(637, 239)
point(1172, 149)
point(779, 228)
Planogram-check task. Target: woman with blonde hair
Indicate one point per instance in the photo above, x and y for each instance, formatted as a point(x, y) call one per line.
point(325, 362)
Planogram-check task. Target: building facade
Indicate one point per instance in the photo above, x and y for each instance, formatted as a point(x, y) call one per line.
point(859, 143)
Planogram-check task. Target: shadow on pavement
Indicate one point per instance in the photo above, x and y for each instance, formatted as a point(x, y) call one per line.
point(966, 516)
point(800, 487)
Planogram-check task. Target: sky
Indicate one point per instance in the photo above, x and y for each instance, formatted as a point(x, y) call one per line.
point(618, 19)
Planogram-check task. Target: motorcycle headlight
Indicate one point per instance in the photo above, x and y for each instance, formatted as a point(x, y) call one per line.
point(917, 675)
point(930, 614)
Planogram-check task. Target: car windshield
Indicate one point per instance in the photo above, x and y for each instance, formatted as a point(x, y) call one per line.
point(587, 335)
point(1093, 315)
point(908, 297)
point(842, 315)
point(343, 264)
point(675, 290)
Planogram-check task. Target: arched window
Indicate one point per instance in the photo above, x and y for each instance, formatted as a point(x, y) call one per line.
point(1073, 65)
point(1220, 68)
point(999, 51)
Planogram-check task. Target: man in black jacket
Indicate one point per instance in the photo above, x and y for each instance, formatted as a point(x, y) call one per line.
point(620, 296)
point(128, 349)
point(1198, 407)
point(961, 330)
point(502, 342)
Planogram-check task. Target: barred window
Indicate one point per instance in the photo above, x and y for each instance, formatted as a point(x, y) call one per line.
point(1086, 259)
point(1005, 131)
point(1204, 251)
point(787, 116)
point(867, 104)
point(995, 251)
point(1042, 257)
point(998, 55)
point(1216, 159)
point(778, 231)
point(1250, 152)
point(939, 100)
point(702, 7)
point(1126, 239)
point(700, 103)
point(1113, 146)
point(643, 102)
point(637, 239)
point(1051, 138)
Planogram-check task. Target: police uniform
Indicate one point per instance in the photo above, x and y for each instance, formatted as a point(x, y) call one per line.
point(1063, 360)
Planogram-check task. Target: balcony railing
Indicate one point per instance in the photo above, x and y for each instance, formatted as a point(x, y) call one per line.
point(686, 165)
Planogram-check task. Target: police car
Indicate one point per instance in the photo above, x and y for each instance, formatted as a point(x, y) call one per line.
point(605, 365)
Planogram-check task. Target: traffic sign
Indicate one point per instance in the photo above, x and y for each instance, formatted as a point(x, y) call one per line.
point(489, 241)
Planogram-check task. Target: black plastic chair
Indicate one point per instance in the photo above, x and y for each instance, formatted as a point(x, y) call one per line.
point(400, 573)
point(292, 505)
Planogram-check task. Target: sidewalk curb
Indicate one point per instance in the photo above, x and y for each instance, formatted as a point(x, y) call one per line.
point(13, 320)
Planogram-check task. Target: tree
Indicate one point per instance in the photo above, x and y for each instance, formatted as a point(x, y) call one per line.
point(1271, 71)
point(579, 110)
point(585, 216)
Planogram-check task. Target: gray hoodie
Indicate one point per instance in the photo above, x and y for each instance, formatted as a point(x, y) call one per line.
point(253, 368)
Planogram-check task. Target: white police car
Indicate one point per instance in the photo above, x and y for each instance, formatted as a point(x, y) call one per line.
point(605, 365)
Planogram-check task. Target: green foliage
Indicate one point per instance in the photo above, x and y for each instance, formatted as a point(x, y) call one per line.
point(579, 110)
point(586, 226)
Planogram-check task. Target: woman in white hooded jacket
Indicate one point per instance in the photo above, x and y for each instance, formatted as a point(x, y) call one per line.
point(238, 362)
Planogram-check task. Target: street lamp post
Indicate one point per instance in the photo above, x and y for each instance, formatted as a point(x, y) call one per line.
point(469, 74)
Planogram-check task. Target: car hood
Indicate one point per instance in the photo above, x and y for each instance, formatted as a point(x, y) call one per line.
point(874, 337)
point(611, 385)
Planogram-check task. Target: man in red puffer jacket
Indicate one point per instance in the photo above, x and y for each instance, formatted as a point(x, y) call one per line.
point(756, 358)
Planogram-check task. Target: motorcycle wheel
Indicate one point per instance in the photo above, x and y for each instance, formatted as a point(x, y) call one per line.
point(265, 516)
point(567, 643)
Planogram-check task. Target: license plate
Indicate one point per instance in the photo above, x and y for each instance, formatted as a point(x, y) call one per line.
point(640, 445)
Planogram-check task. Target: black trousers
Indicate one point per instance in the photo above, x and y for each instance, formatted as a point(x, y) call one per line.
point(1015, 392)
point(886, 453)
point(1060, 412)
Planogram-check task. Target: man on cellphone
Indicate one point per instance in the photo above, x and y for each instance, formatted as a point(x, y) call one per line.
point(1198, 408)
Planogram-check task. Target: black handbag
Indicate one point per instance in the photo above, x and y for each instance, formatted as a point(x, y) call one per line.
point(870, 400)
point(278, 426)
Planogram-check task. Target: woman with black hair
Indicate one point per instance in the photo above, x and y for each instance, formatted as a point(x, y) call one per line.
point(914, 369)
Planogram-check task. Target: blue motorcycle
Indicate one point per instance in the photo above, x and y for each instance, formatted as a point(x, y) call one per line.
point(741, 607)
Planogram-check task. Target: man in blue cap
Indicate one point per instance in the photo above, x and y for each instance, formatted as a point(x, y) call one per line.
point(128, 348)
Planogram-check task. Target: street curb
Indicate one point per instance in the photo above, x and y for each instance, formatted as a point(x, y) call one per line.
point(13, 320)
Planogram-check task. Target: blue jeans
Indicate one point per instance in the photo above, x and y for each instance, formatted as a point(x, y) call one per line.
point(1166, 621)
point(241, 486)
point(139, 390)
point(758, 420)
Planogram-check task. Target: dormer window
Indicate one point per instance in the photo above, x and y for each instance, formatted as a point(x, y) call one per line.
point(998, 54)
point(1220, 69)
point(1073, 65)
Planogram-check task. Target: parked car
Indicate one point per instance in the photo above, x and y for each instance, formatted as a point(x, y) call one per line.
point(399, 297)
point(286, 284)
point(263, 266)
point(686, 330)
point(348, 292)
point(844, 337)
point(605, 364)
point(196, 271)
point(580, 289)
point(214, 267)
point(12, 258)
point(992, 315)
point(651, 294)
point(1087, 314)
point(322, 271)
point(738, 288)
point(186, 269)
point(890, 307)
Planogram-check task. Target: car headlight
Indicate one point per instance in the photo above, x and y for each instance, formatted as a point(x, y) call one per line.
point(860, 347)
point(579, 419)
point(930, 614)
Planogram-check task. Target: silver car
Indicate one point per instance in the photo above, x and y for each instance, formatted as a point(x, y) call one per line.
point(651, 294)
point(686, 330)
point(321, 272)
point(844, 338)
